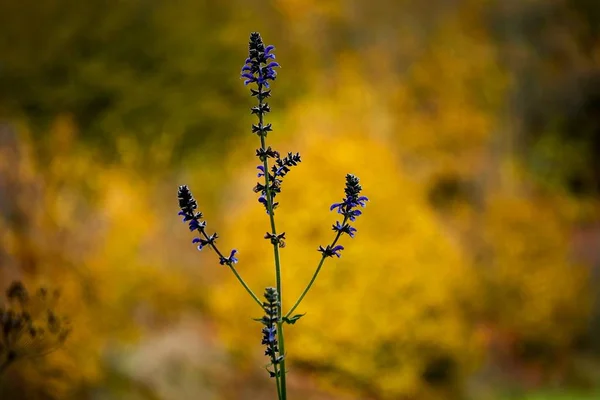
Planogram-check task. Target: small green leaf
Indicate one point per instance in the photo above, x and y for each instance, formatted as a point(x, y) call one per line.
point(292, 320)
point(262, 320)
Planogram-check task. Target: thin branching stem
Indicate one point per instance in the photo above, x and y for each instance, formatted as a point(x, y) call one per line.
point(232, 268)
point(314, 277)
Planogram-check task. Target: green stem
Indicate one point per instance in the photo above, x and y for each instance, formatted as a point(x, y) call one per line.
point(280, 336)
point(237, 275)
point(282, 352)
point(277, 379)
point(314, 277)
point(250, 292)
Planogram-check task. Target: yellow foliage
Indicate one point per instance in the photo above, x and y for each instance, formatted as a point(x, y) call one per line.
point(447, 105)
point(537, 292)
point(91, 231)
point(394, 317)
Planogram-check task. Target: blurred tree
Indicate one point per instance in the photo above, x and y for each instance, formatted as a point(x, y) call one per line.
point(133, 68)
point(552, 51)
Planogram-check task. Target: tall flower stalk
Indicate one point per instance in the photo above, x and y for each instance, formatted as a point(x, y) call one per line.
point(259, 72)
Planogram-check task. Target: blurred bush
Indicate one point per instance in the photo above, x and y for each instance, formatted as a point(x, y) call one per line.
point(89, 230)
point(389, 319)
point(137, 68)
point(536, 295)
point(473, 253)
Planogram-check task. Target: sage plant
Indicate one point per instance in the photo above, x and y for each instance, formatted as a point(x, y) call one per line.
point(259, 72)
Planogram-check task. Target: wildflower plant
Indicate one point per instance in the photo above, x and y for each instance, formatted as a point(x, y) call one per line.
point(29, 325)
point(259, 72)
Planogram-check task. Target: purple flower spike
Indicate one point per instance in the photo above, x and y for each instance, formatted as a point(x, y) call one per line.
point(352, 200)
point(256, 69)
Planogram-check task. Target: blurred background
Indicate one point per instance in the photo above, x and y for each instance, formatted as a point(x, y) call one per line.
point(474, 127)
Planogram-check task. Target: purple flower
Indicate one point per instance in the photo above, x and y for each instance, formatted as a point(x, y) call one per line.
point(268, 51)
point(196, 225)
point(269, 336)
point(344, 228)
point(331, 251)
point(269, 331)
point(258, 68)
point(203, 242)
point(186, 217)
point(229, 260)
point(348, 209)
point(263, 200)
point(188, 206)
point(352, 199)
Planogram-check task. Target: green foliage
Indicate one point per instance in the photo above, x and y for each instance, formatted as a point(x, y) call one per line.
point(293, 319)
point(135, 68)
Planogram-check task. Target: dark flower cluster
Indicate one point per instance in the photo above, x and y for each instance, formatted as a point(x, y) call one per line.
point(29, 327)
point(188, 206)
point(258, 67)
point(279, 239)
point(278, 171)
point(331, 251)
point(232, 259)
point(205, 242)
point(352, 200)
point(348, 208)
point(269, 331)
point(282, 165)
